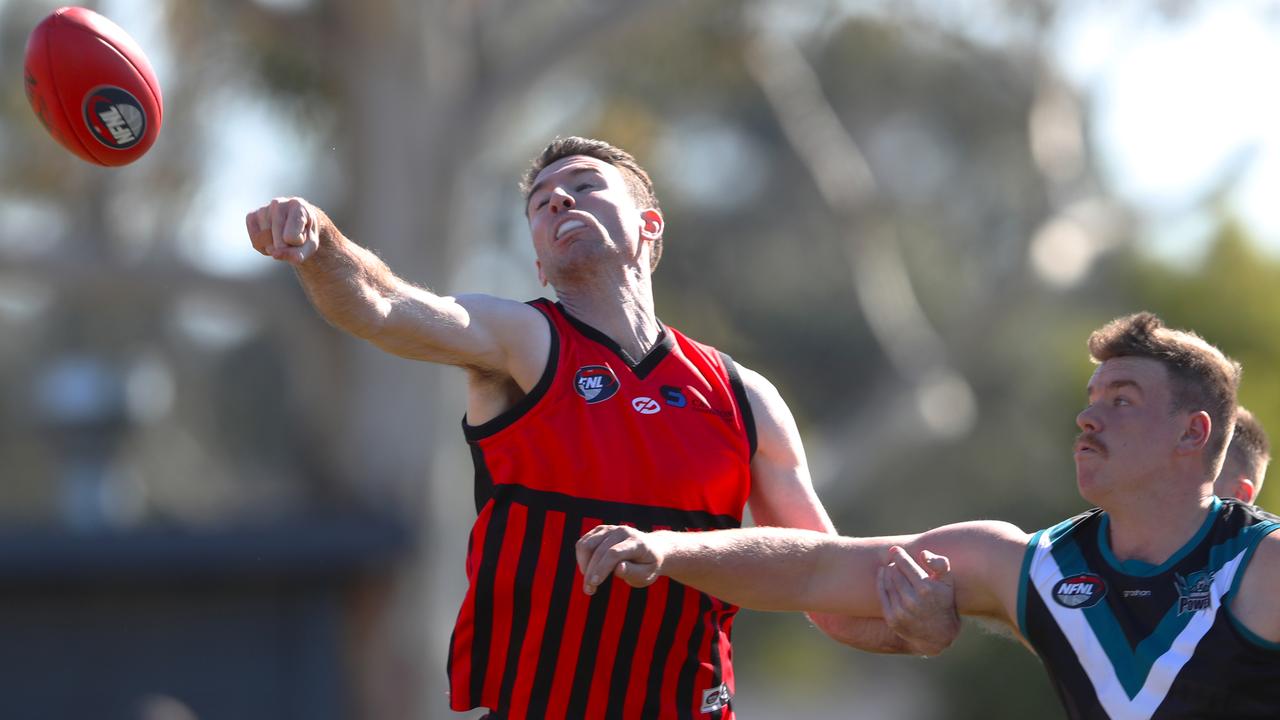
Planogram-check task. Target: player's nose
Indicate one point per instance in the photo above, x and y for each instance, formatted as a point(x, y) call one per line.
point(561, 201)
point(1087, 420)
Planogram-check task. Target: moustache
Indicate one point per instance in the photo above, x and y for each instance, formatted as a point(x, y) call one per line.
point(1090, 440)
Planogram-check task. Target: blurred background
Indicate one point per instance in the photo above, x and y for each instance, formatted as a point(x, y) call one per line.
point(907, 214)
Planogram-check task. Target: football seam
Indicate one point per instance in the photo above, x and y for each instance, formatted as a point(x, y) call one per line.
point(48, 60)
point(155, 91)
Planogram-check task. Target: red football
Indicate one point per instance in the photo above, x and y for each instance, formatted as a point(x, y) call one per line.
point(92, 87)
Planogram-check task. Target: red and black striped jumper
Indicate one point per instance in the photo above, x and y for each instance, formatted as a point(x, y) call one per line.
point(660, 442)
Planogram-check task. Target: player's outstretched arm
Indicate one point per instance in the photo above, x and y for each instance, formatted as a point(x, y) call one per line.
point(356, 292)
point(1254, 604)
point(923, 619)
point(800, 570)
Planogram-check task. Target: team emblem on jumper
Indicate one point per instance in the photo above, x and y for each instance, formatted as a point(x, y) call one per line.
point(717, 698)
point(595, 383)
point(1193, 591)
point(1079, 591)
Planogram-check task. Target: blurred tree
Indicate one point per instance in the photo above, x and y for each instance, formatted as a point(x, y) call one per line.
point(888, 210)
point(1231, 297)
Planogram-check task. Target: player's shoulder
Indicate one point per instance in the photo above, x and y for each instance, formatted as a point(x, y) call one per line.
point(494, 305)
point(760, 391)
point(502, 315)
point(1254, 606)
point(1000, 529)
point(1268, 552)
point(1263, 570)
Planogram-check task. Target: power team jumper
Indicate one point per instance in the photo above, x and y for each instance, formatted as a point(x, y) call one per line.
point(1129, 641)
point(660, 443)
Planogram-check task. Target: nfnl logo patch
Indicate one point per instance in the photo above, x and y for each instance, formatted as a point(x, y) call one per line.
point(595, 383)
point(1080, 591)
point(1193, 591)
point(115, 117)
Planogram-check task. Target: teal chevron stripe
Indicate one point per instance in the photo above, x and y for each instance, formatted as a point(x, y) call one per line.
point(1062, 528)
point(1160, 640)
point(1024, 579)
point(1133, 667)
point(1103, 622)
point(1249, 539)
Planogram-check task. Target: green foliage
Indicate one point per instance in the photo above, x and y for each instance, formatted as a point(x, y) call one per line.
point(1232, 298)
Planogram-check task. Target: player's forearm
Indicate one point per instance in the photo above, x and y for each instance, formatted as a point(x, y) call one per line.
point(778, 569)
point(866, 634)
point(350, 286)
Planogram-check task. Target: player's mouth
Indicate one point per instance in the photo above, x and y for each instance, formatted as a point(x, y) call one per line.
point(1088, 447)
point(567, 226)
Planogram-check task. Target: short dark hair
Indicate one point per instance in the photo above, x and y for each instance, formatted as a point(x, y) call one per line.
point(1250, 446)
point(637, 179)
point(1201, 377)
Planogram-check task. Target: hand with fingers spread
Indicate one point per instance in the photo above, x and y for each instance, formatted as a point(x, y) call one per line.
point(919, 600)
point(634, 556)
point(287, 229)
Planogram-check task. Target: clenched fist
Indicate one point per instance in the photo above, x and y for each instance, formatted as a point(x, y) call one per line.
point(287, 229)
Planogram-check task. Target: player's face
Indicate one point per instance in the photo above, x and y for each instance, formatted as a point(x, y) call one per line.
point(1128, 429)
point(580, 211)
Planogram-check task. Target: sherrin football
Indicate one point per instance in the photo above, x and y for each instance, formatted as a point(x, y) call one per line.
point(92, 87)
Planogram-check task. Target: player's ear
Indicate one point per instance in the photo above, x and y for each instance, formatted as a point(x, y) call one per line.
point(542, 277)
point(1195, 433)
point(1246, 491)
point(652, 223)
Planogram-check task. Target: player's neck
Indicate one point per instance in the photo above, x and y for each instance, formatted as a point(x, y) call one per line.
point(1152, 531)
point(623, 311)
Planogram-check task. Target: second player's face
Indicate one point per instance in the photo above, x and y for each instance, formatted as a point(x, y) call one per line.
point(1128, 430)
point(580, 210)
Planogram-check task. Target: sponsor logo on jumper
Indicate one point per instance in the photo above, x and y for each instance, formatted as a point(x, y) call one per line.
point(1136, 593)
point(115, 117)
point(1193, 591)
point(674, 396)
point(646, 405)
point(1079, 591)
point(697, 402)
point(595, 383)
point(717, 698)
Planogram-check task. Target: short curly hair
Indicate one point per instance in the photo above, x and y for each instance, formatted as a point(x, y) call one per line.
point(1201, 377)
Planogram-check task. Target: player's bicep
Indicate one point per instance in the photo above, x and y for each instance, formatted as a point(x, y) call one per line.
point(478, 332)
point(782, 492)
point(986, 562)
point(843, 579)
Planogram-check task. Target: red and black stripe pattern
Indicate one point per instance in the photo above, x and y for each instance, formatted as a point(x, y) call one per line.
point(662, 441)
point(541, 648)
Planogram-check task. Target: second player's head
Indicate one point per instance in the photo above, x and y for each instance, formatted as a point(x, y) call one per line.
point(1161, 410)
point(1245, 466)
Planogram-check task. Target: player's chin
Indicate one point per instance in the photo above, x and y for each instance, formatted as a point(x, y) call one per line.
point(1088, 483)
